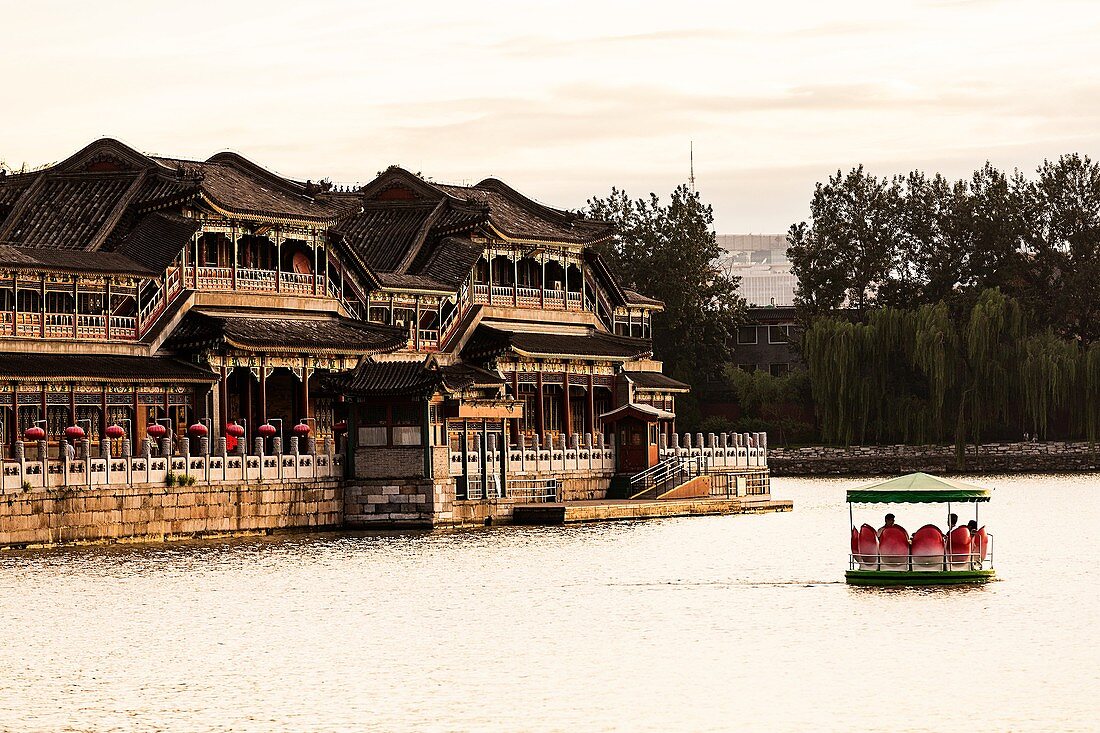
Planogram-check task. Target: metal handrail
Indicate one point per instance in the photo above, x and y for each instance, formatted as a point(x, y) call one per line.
point(857, 559)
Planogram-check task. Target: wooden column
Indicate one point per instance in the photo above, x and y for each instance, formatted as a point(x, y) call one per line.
point(195, 281)
point(542, 285)
point(14, 414)
point(278, 265)
point(236, 253)
point(515, 395)
point(590, 417)
point(248, 401)
point(515, 281)
point(316, 263)
point(305, 393)
point(490, 279)
point(76, 306)
point(15, 305)
point(107, 313)
point(567, 408)
point(565, 293)
point(263, 390)
point(223, 407)
point(416, 326)
point(540, 413)
point(42, 308)
point(72, 404)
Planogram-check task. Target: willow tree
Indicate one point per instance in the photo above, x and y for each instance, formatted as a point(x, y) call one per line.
point(1050, 369)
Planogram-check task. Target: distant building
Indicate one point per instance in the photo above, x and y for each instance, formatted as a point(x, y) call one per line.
point(760, 260)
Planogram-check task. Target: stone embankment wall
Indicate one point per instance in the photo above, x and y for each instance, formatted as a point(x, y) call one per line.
point(154, 513)
point(1046, 457)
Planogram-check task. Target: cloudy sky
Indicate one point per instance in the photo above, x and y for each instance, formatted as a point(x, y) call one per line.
point(563, 99)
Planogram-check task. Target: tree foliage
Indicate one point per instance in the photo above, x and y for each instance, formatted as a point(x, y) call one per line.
point(670, 252)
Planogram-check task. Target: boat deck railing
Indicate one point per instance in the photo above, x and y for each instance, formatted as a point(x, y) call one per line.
point(948, 562)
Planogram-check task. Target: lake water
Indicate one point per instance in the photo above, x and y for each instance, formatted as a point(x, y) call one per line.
point(693, 624)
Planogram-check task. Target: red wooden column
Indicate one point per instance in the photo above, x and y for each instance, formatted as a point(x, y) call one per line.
point(305, 393)
point(223, 401)
point(263, 391)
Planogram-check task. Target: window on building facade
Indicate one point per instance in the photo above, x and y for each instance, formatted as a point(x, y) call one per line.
point(746, 335)
point(778, 370)
point(373, 424)
point(396, 425)
point(747, 367)
point(779, 334)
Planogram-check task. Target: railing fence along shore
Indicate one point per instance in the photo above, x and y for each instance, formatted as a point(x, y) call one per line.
point(32, 468)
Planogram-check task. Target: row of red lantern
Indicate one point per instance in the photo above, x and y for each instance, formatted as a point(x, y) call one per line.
point(156, 430)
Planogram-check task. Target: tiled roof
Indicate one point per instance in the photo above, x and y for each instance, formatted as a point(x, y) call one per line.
point(388, 378)
point(67, 211)
point(488, 341)
point(157, 239)
point(448, 261)
point(412, 378)
point(518, 216)
point(411, 282)
point(633, 297)
point(284, 330)
point(384, 232)
point(239, 186)
point(73, 261)
point(656, 381)
point(460, 376)
point(105, 368)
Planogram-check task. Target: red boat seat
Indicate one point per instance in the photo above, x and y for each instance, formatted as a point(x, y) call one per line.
point(980, 546)
point(958, 549)
point(868, 548)
point(893, 548)
point(928, 548)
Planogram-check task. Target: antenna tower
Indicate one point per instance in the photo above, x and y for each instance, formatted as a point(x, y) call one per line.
point(691, 162)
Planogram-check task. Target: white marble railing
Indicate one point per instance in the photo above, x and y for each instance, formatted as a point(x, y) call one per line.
point(722, 450)
point(587, 454)
point(22, 475)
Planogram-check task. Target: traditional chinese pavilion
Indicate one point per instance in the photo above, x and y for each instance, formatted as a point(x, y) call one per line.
point(421, 318)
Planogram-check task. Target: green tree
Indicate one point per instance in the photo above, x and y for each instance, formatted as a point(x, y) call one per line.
point(670, 252)
point(851, 246)
point(1063, 235)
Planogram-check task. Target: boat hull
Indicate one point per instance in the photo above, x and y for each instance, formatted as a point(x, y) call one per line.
point(890, 578)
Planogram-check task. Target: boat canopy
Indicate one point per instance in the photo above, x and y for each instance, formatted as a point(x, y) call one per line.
point(917, 488)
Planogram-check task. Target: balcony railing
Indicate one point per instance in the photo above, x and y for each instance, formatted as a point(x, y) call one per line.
point(253, 280)
point(524, 297)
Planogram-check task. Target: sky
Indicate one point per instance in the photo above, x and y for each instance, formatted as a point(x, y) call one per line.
point(563, 99)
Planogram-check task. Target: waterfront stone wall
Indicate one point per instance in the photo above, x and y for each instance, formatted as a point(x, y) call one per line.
point(1045, 457)
point(155, 513)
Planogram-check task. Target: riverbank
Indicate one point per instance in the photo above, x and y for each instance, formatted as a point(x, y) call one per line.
point(873, 460)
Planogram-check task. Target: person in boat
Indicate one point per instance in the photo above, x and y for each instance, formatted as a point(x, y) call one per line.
point(889, 523)
point(972, 525)
point(952, 520)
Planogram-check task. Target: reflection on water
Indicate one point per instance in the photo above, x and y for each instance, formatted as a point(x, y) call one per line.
point(709, 623)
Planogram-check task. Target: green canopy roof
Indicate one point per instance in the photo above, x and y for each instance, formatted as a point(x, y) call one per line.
point(917, 488)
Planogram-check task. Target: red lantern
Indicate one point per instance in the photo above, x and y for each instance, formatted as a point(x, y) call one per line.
point(235, 430)
point(340, 427)
point(266, 430)
point(156, 430)
point(198, 430)
point(74, 432)
point(35, 433)
point(301, 429)
point(115, 431)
